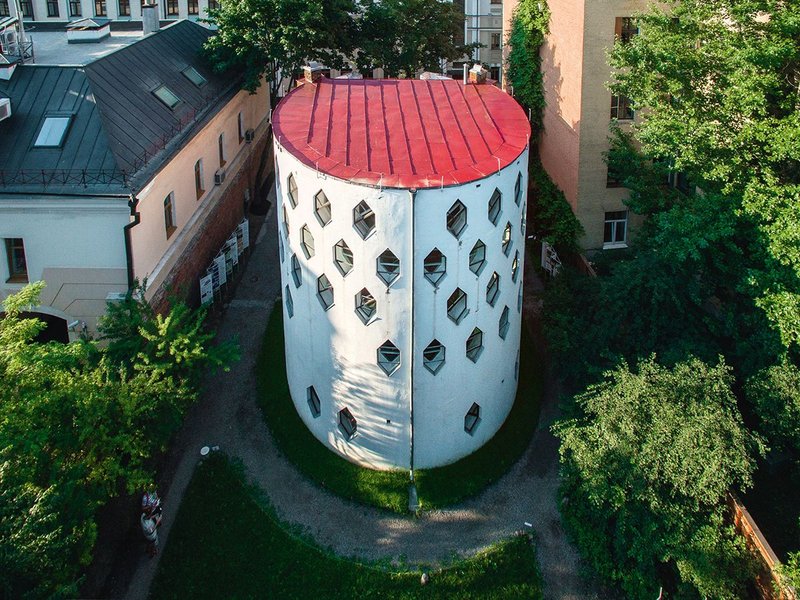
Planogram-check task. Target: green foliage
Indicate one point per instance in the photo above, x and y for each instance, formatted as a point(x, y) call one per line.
point(529, 25)
point(389, 489)
point(646, 468)
point(775, 395)
point(551, 215)
point(405, 36)
point(240, 550)
point(790, 572)
point(77, 428)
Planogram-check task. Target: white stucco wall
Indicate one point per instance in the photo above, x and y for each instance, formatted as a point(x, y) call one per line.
point(336, 352)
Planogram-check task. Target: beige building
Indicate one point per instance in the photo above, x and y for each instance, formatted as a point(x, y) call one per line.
point(580, 110)
point(483, 24)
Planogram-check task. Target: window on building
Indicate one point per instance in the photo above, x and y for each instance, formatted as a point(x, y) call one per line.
point(435, 266)
point(343, 257)
point(124, 8)
point(289, 302)
point(612, 178)
point(285, 222)
point(213, 5)
point(433, 356)
point(389, 357)
point(472, 418)
point(325, 291)
point(221, 150)
point(314, 404)
point(474, 345)
point(366, 306)
point(477, 257)
point(297, 271)
point(502, 327)
point(495, 41)
point(100, 8)
point(199, 186)
point(388, 267)
point(625, 28)
point(17, 267)
point(518, 189)
point(615, 228)
point(239, 122)
point(506, 242)
point(172, 8)
point(307, 241)
point(457, 306)
point(4, 10)
point(493, 289)
point(322, 208)
point(621, 108)
point(53, 131)
point(347, 423)
point(52, 8)
point(495, 204)
point(167, 96)
point(194, 7)
point(169, 214)
point(291, 187)
point(457, 219)
point(523, 223)
point(515, 267)
point(363, 219)
point(27, 9)
point(75, 9)
point(194, 76)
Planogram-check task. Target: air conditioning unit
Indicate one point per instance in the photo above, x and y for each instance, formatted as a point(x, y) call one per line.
point(9, 37)
point(5, 108)
point(219, 176)
point(249, 135)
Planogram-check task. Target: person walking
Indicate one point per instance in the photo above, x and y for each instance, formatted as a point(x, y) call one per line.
point(150, 521)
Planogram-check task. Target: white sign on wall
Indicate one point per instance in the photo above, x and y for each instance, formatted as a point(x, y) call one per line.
point(221, 268)
point(244, 226)
point(207, 289)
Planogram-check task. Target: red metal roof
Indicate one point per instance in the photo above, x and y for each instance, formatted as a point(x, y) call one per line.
point(402, 133)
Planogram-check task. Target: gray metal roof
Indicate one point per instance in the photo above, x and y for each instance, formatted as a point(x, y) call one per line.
point(120, 133)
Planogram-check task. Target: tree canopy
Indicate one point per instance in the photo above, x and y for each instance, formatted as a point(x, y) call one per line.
point(529, 25)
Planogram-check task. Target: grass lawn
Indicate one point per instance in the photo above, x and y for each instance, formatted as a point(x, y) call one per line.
point(389, 489)
point(226, 543)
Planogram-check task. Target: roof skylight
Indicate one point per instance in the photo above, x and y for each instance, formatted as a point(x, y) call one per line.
point(194, 76)
point(167, 96)
point(53, 131)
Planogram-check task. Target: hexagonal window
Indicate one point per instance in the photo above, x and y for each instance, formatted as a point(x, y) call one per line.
point(472, 418)
point(343, 257)
point(325, 291)
point(389, 357)
point(285, 222)
point(388, 267)
point(433, 356)
point(322, 208)
point(363, 219)
point(515, 267)
point(291, 187)
point(502, 328)
point(493, 289)
point(347, 423)
point(495, 204)
point(457, 306)
point(507, 239)
point(474, 344)
point(366, 306)
point(289, 302)
point(457, 219)
point(297, 272)
point(518, 189)
point(313, 401)
point(477, 257)
point(306, 241)
point(435, 266)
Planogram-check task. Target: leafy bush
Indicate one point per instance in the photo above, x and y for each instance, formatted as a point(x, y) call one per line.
point(529, 24)
point(551, 215)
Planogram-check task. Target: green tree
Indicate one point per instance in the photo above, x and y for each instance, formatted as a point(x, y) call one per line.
point(405, 36)
point(775, 395)
point(646, 468)
point(551, 215)
point(529, 25)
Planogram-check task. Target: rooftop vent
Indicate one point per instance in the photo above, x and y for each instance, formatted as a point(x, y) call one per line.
point(477, 74)
point(150, 22)
point(313, 72)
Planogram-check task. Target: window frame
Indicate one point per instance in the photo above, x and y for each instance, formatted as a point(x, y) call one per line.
point(495, 206)
point(291, 190)
point(53, 9)
point(221, 150)
point(322, 208)
point(289, 301)
point(477, 265)
point(507, 239)
point(612, 230)
point(164, 96)
point(199, 179)
point(473, 418)
point(341, 254)
point(435, 276)
point(16, 274)
point(239, 119)
point(193, 7)
point(455, 299)
point(518, 189)
point(493, 289)
point(515, 267)
point(103, 8)
point(64, 120)
point(388, 365)
point(348, 423)
point(5, 9)
point(307, 243)
point(171, 8)
point(364, 221)
point(170, 215)
point(504, 323)
point(323, 289)
point(474, 345)
point(124, 8)
point(296, 270)
point(314, 403)
point(456, 219)
point(384, 273)
point(366, 306)
point(434, 363)
point(75, 8)
point(621, 105)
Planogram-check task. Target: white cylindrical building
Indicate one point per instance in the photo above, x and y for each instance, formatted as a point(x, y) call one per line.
point(401, 210)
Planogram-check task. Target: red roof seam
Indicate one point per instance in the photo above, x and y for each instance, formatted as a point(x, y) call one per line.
point(422, 126)
point(386, 130)
point(405, 132)
point(330, 124)
point(441, 128)
point(472, 114)
point(458, 122)
point(349, 129)
point(491, 118)
point(311, 114)
point(366, 129)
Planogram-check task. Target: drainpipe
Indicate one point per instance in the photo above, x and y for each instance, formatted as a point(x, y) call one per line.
point(413, 194)
point(133, 203)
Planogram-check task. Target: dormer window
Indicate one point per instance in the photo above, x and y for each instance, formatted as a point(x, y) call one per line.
point(53, 131)
point(167, 96)
point(194, 76)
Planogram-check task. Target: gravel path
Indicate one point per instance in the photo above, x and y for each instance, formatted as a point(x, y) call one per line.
point(228, 416)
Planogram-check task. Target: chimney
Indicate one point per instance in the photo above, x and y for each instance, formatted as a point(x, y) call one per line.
point(313, 72)
point(477, 74)
point(150, 22)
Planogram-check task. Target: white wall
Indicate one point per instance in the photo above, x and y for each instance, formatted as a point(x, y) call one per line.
point(441, 401)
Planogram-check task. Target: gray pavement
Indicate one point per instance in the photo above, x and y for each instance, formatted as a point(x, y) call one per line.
point(51, 47)
point(228, 416)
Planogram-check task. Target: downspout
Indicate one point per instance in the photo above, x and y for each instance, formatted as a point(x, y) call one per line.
point(413, 193)
point(133, 203)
